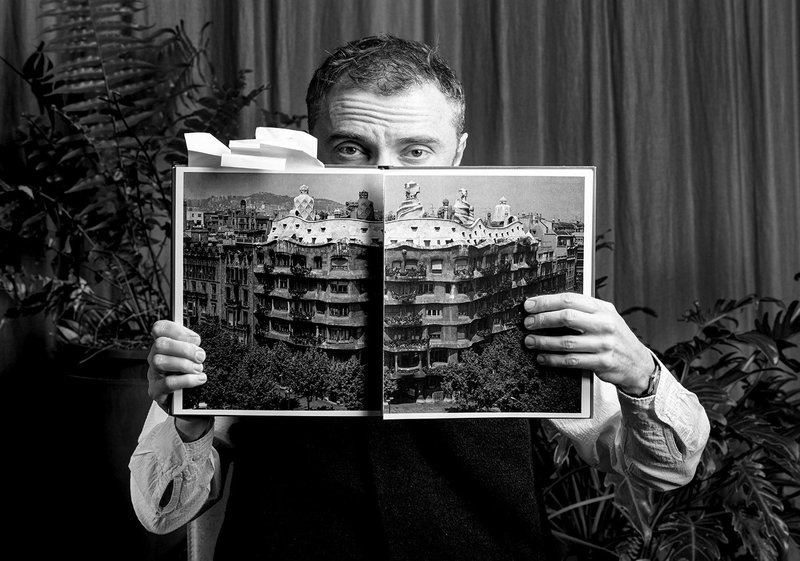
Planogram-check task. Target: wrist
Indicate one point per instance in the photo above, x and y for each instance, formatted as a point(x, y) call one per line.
point(645, 386)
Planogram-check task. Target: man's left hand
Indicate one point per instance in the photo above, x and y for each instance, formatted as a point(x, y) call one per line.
point(599, 339)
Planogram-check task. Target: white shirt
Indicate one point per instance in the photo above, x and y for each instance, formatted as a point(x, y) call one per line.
point(656, 441)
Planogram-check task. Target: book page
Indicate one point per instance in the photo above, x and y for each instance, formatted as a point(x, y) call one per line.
point(279, 273)
point(463, 250)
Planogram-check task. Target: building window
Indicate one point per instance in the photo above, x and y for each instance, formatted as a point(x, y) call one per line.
point(338, 334)
point(338, 287)
point(439, 355)
point(282, 260)
point(283, 282)
point(317, 262)
point(280, 305)
point(340, 310)
point(435, 333)
point(436, 266)
point(408, 360)
point(426, 288)
point(411, 264)
point(339, 263)
point(433, 312)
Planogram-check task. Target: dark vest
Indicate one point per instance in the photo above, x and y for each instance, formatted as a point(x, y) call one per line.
point(365, 488)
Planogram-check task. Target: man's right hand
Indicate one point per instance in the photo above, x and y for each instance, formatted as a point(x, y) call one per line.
point(176, 362)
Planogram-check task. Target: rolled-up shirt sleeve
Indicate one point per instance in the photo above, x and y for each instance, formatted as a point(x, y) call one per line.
point(656, 441)
point(171, 480)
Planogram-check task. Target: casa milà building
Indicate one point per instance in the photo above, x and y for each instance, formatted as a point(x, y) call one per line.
point(454, 281)
point(303, 279)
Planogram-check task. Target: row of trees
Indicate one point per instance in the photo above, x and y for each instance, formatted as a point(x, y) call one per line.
point(503, 376)
point(242, 376)
point(500, 376)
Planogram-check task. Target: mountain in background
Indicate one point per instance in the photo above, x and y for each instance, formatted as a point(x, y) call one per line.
point(217, 202)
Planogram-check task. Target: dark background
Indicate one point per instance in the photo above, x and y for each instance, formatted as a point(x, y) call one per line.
point(690, 111)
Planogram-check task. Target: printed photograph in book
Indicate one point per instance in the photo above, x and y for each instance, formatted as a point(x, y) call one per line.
point(463, 249)
point(276, 271)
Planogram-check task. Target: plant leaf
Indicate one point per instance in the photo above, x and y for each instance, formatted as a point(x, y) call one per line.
point(755, 507)
point(690, 539)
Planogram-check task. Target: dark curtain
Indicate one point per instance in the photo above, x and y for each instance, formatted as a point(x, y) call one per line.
point(688, 109)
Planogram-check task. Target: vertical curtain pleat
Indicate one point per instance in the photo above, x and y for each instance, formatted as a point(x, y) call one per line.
point(689, 110)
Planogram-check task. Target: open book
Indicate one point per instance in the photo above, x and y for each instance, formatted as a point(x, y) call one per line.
point(392, 292)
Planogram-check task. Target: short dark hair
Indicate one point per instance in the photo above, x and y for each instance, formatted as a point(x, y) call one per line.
point(387, 65)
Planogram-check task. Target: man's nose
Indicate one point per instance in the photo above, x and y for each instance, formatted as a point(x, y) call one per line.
point(387, 158)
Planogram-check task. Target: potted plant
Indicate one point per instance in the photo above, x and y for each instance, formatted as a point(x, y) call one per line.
point(87, 181)
point(743, 500)
point(86, 210)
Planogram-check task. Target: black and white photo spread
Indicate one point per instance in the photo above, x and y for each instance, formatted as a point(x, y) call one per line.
point(346, 291)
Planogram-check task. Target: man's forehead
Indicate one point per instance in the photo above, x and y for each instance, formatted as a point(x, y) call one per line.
point(416, 103)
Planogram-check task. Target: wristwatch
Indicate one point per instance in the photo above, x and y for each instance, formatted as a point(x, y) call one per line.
point(652, 382)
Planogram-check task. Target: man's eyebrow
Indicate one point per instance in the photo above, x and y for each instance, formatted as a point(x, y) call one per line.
point(344, 135)
point(420, 140)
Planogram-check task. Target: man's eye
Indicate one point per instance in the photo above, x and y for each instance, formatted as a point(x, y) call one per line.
point(417, 153)
point(349, 151)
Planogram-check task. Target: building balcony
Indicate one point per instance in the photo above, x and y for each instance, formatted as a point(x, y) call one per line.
point(306, 340)
point(459, 344)
point(263, 288)
point(348, 345)
point(403, 320)
point(405, 298)
point(410, 274)
point(300, 271)
point(300, 315)
point(262, 312)
point(406, 344)
point(263, 269)
point(298, 292)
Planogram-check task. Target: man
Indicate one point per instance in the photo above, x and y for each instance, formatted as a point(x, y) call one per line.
point(370, 489)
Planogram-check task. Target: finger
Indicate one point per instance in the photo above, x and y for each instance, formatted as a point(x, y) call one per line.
point(175, 348)
point(581, 361)
point(173, 330)
point(566, 344)
point(566, 300)
point(168, 364)
point(160, 388)
point(580, 322)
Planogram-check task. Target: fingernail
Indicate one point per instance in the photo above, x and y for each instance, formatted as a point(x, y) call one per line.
point(201, 378)
point(198, 367)
point(530, 305)
point(540, 359)
point(200, 355)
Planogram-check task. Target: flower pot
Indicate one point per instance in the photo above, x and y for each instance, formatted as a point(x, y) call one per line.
point(105, 399)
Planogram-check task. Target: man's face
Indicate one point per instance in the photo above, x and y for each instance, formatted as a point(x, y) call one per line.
point(411, 128)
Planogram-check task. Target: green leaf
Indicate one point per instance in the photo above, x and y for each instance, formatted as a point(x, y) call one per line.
point(758, 431)
point(763, 343)
point(692, 539)
point(636, 503)
point(68, 335)
point(755, 507)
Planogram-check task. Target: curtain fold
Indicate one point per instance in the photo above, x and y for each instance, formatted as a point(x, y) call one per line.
point(688, 109)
